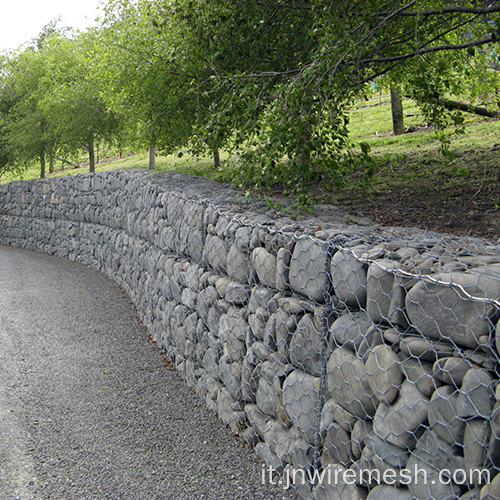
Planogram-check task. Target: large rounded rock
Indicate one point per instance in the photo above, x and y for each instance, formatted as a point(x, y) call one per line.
point(307, 273)
point(400, 422)
point(265, 266)
point(348, 383)
point(216, 252)
point(476, 397)
point(443, 418)
point(349, 279)
point(337, 447)
point(385, 376)
point(337, 484)
point(306, 346)
point(353, 331)
point(387, 492)
point(239, 265)
point(301, 399)
point(385, 298)
point(446, 311)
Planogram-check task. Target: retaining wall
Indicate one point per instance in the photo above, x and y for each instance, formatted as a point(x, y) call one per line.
point(327, 346)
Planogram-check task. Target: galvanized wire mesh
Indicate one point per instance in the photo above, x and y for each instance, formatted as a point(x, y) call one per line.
point(358, 362)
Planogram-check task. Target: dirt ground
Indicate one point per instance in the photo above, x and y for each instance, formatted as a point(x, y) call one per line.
point(465, 213)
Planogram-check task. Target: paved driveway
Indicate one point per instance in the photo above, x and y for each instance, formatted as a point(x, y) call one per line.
point(88, 409)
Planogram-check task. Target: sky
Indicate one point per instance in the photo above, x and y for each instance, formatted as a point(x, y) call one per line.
point(22, 20)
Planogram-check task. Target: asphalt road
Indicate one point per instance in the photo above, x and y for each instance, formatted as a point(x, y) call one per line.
point(88, 409)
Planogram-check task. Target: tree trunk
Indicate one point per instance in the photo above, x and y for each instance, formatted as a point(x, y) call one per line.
point(398, 126)
point(90, 149)
point(42, 164)
point(216, 158)
point(51, 165)
point(152, 158)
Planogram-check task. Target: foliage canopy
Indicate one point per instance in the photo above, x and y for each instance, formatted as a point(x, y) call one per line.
point(272, 81)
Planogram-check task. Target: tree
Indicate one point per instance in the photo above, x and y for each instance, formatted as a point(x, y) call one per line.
point(74, 101)
point(140, 64)
point(286, 92)
point(27, 135)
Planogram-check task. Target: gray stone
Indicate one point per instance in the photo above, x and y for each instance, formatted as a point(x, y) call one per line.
point(354, 332)
point(233, 331)
point(250, 436)
point(445, 312)
point(438, 453)
point(443, 418)
point(286, 324)
point(392, 455)
point(494, 446)
point(349, 279)
point(387, 492)
point(258, 419)
point(333, 413)
point(261, 297)
point(348, 384)
point(376, 252)
point(451, 370)
point(248, 383)
point(476, 395)
point(222, 284)
point(257, 325)
point(265, 266)
point(399, 423)
point(206, 299)
point(242, 238)
point(420, 373)
point(261, 351)
point(305, 347)
point(336, 447)
point(291, 305)
point(425, 349)
point(215, 253)
point(385, 376)
point(335, 487)
point(476, 440)
point(230, 373)
point(237, 293)
point(264, 452)
point(282, 269)
point(239, 265)
point(308, 269)
point(276, 366)
point(301, 398)
point(382, 305)
point(426, 482)
point(372, 470)
point(391, 335)
point(227, 406)
point(265, 398)
point(270, 333)
point(490, 491)
point(360, 431)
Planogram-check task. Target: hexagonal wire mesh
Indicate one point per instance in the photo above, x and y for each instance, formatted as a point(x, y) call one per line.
point(354, 365)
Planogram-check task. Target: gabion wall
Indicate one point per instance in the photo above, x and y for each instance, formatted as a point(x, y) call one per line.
point(359, 361)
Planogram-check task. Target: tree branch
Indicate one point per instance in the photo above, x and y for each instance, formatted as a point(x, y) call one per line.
point(468, 108)
point(457, 9)
point(428, 50)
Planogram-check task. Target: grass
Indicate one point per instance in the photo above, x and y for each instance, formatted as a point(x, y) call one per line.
point(112, 160)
